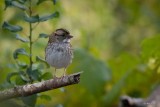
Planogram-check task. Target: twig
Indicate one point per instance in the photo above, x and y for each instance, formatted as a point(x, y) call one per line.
point(34, 88)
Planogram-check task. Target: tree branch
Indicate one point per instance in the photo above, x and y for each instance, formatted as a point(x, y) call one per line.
point(34, 88)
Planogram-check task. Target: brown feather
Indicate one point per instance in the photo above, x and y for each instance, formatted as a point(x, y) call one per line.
point(52, 38)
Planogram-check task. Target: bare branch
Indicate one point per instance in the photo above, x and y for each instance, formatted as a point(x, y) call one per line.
point(34, 88)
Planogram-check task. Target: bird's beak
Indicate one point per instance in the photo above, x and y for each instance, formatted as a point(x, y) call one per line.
point(70, 36)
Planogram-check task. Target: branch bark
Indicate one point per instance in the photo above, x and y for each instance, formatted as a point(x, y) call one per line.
point(29, 89)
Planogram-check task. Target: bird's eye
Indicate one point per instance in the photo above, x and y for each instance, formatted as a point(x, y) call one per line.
point(63, 35)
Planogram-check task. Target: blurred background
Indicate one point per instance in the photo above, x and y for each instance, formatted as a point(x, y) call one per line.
point(116, 43)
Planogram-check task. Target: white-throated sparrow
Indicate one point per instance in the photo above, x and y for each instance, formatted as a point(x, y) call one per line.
point(59, 52)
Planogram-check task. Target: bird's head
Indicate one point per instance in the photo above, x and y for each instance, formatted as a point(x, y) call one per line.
point(62, 35)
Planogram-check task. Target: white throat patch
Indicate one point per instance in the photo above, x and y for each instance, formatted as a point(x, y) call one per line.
point(66, 40)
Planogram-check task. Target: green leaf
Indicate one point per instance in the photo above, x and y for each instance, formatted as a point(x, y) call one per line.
point(151, 47)
point(95, 71)
point(34, 74)
point(38, 59)
point(19, 5)
point(42, 35)
point(36, 18)
point(41, 1)
point(17, 52)
point(7, 3)
point(22, 1)
point(47, 76)
point(6, 85)
point(22, 65)
point(45, 97)
point(18, 37)
point(12, 28)
point(32, 19)
point(20, 81)
point(10, 75)
point(24, 76)
point(30, 100)
point(44, 18)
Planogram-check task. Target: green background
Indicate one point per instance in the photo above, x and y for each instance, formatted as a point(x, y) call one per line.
point(116, 45)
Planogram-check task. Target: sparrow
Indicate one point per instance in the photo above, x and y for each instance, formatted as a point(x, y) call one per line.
point(59, 52)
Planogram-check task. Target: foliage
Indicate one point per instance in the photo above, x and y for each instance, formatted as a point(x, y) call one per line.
point(27, 72)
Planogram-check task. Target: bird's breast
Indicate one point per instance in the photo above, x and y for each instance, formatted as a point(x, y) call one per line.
point(59, 55)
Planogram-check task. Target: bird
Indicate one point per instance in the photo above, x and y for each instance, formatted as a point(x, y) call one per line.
point(59, 52)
